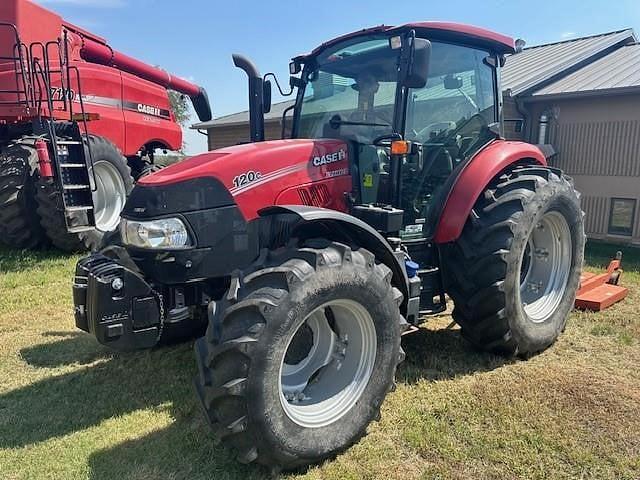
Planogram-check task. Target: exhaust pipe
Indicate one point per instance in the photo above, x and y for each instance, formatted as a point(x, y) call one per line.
point(256, 96)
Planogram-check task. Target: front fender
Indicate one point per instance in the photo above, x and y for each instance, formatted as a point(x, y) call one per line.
point(473, 180)
point(338, 226)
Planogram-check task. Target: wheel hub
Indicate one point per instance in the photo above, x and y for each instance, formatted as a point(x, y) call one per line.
point(545, 267)
point(109, 197)
point(328, 363)
point(300, 347)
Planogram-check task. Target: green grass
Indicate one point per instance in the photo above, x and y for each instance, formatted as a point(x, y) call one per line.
point(72, 409)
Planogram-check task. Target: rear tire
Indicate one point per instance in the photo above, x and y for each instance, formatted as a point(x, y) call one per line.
point(19, 222)
point(514, 272)
point(51, 208)
point(254, 339)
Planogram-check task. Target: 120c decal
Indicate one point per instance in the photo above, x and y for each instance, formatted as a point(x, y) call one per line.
point(246, 178)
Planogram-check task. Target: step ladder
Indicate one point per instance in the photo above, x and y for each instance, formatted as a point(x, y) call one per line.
point(74, 179)
point(76, 186)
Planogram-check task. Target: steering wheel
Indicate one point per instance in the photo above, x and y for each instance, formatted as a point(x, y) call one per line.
point(424, 134)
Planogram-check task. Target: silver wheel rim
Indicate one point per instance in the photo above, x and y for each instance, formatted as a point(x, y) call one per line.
point(331, 359)
point(109, 196)
point(545, 267)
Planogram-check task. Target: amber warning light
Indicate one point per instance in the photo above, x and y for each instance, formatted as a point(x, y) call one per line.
point(400, 147)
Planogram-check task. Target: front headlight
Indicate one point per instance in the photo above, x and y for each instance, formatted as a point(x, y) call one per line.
point(155, 234)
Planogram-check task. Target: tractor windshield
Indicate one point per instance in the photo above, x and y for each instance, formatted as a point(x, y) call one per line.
point(350, 92)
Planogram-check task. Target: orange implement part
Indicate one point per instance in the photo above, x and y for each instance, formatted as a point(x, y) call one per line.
point(598, 292)
point(601, 297)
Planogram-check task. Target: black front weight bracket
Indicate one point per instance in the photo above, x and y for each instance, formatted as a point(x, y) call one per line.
point(116, 304)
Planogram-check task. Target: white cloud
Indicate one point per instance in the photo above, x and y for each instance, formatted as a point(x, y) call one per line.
point(86, 3)
point(567, 35)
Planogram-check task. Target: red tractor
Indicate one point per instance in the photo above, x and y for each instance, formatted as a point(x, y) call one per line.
point(79, 123)
point(308, 258)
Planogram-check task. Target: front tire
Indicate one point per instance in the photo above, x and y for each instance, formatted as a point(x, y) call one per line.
point(300, 354)
point(514, 272)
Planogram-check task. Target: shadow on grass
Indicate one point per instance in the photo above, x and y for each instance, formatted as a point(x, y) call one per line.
point(599, 254)
point(113, 385)
point(75, 348)
point(443, 354)
point(181, 451)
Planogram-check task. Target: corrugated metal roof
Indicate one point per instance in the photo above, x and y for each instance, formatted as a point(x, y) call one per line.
point(618, 70)
point(535, 65)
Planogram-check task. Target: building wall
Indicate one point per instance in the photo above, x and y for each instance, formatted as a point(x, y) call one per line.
point(598, 144)
point(511, 117)
point(225, 136)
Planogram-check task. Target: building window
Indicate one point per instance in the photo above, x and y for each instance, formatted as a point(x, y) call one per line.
point(621, 216)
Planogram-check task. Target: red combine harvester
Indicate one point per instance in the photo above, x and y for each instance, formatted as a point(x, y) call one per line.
point(79, 123)
point(308, 257)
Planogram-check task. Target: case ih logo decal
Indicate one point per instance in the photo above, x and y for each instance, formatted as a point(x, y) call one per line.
point(148, 110)
point(329, 158)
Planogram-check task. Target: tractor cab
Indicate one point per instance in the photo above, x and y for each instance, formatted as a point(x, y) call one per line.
point(432, 102)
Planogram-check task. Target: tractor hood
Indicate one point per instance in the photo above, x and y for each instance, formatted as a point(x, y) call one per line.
point(251, 176)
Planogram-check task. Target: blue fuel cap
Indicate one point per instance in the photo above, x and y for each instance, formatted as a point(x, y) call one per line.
point(412, 268)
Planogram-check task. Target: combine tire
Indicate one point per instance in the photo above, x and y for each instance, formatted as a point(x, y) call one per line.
point(300, 354)
point(141, 168)
point(514, 272)
point(113, 184)
point(19, 221)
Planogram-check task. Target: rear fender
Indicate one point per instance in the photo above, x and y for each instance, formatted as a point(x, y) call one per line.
point(297, 221)
point(473, 180)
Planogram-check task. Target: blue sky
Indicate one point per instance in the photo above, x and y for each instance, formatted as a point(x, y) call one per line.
point(195, 38)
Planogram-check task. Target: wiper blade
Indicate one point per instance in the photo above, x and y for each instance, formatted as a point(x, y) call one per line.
point(336, 122)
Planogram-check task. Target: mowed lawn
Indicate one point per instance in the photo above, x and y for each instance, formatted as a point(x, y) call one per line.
point(71, 409)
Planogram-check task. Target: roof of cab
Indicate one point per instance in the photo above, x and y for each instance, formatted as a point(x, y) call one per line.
point(457, 32)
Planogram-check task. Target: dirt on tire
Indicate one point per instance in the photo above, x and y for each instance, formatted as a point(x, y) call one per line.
point(249, 332)
point(482, 269)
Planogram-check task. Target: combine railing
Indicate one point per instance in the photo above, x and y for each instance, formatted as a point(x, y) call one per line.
point(24, 92)
point(35, 73)
point(41, 82)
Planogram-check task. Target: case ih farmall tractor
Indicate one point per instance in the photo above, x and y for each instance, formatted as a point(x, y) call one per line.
point(79, 123)
point(309, 257)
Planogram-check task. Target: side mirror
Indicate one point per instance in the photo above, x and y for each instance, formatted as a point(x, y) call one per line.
point(266, 95)
point(452, 83)
point(418, 72)
point(294, 67)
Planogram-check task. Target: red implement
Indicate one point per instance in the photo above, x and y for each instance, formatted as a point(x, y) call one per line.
point(600, 291)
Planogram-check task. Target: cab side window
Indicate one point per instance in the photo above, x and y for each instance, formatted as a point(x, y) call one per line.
point(460, 90)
